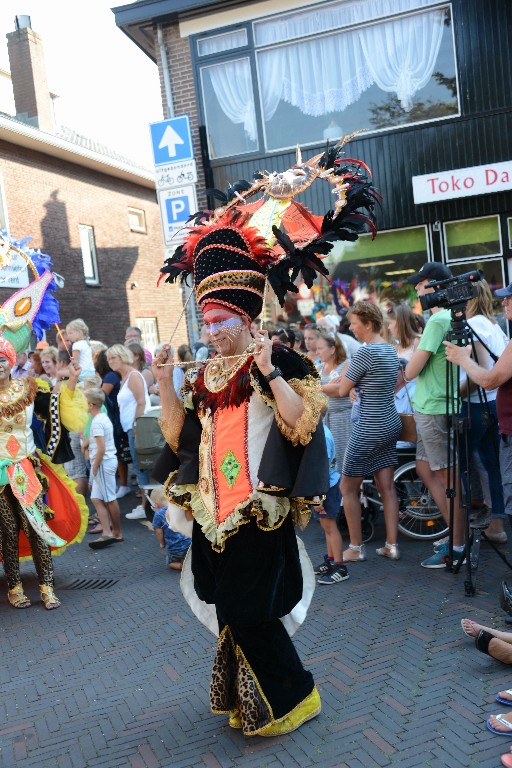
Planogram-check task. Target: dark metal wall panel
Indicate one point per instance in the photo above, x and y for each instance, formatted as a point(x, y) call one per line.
point(482, 39)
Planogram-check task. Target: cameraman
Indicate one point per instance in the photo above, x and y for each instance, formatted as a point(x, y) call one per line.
point(499, 376)
point(428, 366)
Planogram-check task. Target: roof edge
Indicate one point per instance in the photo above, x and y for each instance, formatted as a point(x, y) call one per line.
point(32, 138)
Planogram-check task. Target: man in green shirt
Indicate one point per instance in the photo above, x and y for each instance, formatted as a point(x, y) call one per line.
point(428, 366)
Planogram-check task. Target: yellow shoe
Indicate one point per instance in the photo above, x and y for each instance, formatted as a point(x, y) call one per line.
point(235, 720)
point(307, 709)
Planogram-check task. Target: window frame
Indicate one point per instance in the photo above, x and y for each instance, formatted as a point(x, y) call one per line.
point(94, 280)
point(251, 50)
point(140, 322)
point(135, 211)
point(458, 260)
point(3, 205)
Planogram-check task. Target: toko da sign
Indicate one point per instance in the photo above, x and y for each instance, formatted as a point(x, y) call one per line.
point(462, 182)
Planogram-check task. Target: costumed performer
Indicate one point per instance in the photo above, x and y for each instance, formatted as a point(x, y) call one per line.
point(248, 454)
point(26, 475)
point(39, 511)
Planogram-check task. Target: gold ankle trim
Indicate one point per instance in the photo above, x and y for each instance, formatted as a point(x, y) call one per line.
point(17, 597)
point(48, 597)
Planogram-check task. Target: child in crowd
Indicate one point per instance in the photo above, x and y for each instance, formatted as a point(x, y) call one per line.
point(103, 458)
point(78, 334)
point(175, 544)
point(331, 570)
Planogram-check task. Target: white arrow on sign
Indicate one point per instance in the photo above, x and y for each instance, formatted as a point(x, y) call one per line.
point(170, 139)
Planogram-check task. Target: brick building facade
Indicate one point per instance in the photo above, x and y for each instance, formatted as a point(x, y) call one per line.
point(54, 186)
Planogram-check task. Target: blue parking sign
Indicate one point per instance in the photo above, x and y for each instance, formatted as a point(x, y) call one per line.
point(171, 140)
point(178, 209)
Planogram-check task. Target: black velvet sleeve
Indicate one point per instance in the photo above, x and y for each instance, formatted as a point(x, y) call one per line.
point(46, 407)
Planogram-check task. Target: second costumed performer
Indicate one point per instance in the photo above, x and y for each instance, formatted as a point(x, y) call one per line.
point(247, 455)
point(40, 513)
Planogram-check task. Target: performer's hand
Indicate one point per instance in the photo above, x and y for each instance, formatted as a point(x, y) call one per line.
point(263, 352)
point(457, 355)
point(163, 365)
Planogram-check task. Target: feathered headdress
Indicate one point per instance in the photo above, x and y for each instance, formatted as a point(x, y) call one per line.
point(234, 249)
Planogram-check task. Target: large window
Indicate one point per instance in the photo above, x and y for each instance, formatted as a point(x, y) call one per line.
point(327, 71)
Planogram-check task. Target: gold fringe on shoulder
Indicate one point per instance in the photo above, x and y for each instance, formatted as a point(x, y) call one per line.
point(26, 397)
point(314, 404)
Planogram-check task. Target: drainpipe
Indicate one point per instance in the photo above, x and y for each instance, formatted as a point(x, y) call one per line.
point(165, 71)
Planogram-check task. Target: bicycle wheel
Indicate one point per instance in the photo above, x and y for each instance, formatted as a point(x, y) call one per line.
point(418, 517)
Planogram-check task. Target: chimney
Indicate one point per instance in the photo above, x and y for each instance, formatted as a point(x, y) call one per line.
point(28, 74)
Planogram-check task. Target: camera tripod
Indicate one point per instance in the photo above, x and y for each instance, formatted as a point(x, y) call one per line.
point(459, 427)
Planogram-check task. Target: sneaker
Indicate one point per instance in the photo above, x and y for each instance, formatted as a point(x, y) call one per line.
point(440, 558)
point(440, 543)
point(138, 513)
point(324, 567)
point(336, 574)
point(123, 491)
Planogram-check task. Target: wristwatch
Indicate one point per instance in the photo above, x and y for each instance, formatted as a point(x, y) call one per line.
point(273, 375)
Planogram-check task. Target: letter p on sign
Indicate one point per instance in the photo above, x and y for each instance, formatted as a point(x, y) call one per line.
point(178, 209)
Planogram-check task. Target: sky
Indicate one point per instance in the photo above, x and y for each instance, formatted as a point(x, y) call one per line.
point(109, 89)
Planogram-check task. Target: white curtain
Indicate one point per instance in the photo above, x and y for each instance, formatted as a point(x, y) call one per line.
point(324, 75)
point(317, 76)
point(401, 55)
point(232, 84)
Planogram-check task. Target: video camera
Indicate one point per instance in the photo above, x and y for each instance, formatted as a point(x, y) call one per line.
point(452, 292)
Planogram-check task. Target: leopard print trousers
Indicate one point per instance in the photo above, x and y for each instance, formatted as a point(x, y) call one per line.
point(234, 687)
point(12, 520)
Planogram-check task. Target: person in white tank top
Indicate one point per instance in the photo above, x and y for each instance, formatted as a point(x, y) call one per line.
point(133, 401)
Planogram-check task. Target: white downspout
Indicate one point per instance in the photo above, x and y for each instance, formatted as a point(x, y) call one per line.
point(165, 71)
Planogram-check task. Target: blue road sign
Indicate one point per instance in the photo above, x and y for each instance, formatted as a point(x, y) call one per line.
point(177, 209)
point(171, 140)
point(176, 205)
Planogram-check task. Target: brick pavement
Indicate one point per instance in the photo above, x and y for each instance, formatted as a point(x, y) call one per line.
point(118, 677)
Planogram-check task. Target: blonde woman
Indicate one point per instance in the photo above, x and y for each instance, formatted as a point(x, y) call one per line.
point(49, 357)
point(133, 400)
point(403, 329)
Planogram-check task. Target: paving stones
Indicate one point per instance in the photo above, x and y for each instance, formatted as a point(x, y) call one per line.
point(118, 677)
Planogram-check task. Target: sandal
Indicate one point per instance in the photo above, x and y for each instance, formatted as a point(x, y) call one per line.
point(473, 626)
point(48, 597)
point(501, 700)
point(354, 554)
point(500, 719)
point(17, 597)
point(390, 551)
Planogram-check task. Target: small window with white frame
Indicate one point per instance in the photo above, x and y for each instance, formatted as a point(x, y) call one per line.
point(88, 246)
point(137, 219)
